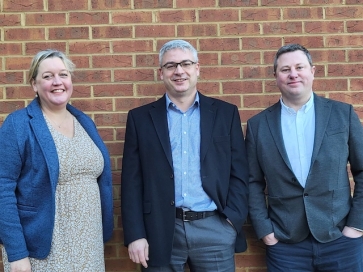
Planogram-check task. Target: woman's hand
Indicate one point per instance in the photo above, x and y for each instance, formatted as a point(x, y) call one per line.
point(22, 265)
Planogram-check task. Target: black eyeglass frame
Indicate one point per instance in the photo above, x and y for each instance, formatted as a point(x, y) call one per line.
point(175, 64)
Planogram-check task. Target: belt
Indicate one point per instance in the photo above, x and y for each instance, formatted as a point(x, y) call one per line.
point(190, 215)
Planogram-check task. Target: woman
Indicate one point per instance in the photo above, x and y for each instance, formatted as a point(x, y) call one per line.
point(55, 179)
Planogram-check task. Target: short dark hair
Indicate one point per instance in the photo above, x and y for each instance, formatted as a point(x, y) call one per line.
point(291, 48)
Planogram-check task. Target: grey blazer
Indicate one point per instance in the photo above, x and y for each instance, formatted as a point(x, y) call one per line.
point(325, 205)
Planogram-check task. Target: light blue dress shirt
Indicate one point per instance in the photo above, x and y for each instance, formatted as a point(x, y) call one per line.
point(184, 134)
point(298, 130)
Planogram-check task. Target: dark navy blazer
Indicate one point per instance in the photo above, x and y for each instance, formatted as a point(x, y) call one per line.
point(29, 170)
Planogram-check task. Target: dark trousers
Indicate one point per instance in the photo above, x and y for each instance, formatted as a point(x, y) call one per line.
point(342, 255)
point(207, 245)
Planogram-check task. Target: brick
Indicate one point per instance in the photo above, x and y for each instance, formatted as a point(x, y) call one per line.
point(231, 29)
point(347, 70)
point(257, 72)
point(330, 85)
point(282, 28)
point(232, 99)
point(110, 4)
point(242, 87)
point(122, 104)
point(104, 32)
point(348, 12)
point(89, 47)
point(353, 98)
point(32, 48)
point(195, 4)
point(240, 58)
point(209, 88)
point(309, 13)
point(324, 56)
point(212, 15)
point(34, 19)
point(147, 60)
point(110, 119)
point(113, 90)
point(154, 31)
point(172, 16)
point(107, 134)
point(10, 20)
point(238, 3)
point(353, 2)
point(24, 34)
point(17, 63)
point(10, 106)
point(261, 43)
point(356, 84)
point(80, 61)
point(142, 74)
point(69, 33)
point(323, 2)
point(131, 17)
point(152, 4)
point(11, 78)
point(109, 61)
point(10, 49)
point(93, 105)
point(88, 18)
point(91, 76)
point(19, 92)
point(150, 89)
point(324, 27)
point(67, 5)
point(198, 30)
point(307, 41)
point(224, 73)
point(125, 46)
point(80, 91)
point(21, 5)
point(219, 44)
point(208, 58)
point(354, 26)
point(260, 101)
point(280, 2)
point(261, 14)
point(344, 41)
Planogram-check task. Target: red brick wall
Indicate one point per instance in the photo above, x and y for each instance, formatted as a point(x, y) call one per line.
point(115, 47)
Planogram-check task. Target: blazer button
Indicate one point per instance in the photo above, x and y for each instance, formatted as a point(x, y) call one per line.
point(172, 176)
point(306, 194)
point(172, 203)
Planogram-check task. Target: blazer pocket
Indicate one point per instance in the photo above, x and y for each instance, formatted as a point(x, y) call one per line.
point(147, 207)
point(331, 132)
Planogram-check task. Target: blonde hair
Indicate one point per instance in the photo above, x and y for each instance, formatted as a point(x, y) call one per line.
point(42, 55)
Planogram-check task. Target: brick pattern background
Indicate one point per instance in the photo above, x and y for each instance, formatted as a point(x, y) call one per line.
point(115, 47)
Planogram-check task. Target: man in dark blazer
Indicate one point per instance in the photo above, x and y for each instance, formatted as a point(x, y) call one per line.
point(184, 174)
point(298, 151)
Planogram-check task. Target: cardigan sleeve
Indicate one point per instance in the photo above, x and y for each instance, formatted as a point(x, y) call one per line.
point(11, 232)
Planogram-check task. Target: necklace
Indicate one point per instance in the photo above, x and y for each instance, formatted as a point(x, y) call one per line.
point(61, 123)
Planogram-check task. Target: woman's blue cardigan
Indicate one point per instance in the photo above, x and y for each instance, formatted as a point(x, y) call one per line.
point(29, 170)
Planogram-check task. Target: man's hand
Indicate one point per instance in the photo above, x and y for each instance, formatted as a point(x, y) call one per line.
point(139, 251)
point(22, 265)
point(351, 232)
point(270, 239)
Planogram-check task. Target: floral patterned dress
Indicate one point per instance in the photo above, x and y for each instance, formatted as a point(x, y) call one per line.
point(77, 244)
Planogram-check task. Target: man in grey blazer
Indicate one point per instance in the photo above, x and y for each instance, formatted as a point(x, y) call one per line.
point(298, 151)
point(184, 174)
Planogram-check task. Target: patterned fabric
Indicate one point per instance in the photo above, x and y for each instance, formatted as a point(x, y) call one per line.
point(77, 243)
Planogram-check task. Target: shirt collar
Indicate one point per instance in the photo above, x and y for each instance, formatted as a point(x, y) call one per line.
point(170, 103)
point(305, 108)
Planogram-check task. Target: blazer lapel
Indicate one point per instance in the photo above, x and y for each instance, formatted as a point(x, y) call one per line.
point(45, 140)
point(207, 118)
point(159, 117)
point(274, 123)
point(322, 115)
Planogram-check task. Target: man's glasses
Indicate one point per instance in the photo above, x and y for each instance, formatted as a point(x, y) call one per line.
point(185, 64)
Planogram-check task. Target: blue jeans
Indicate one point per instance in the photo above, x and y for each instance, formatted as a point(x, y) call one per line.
point(207, 245)
point(342, 255)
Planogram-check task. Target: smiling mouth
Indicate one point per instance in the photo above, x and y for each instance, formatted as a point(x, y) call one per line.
point(57, 91)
